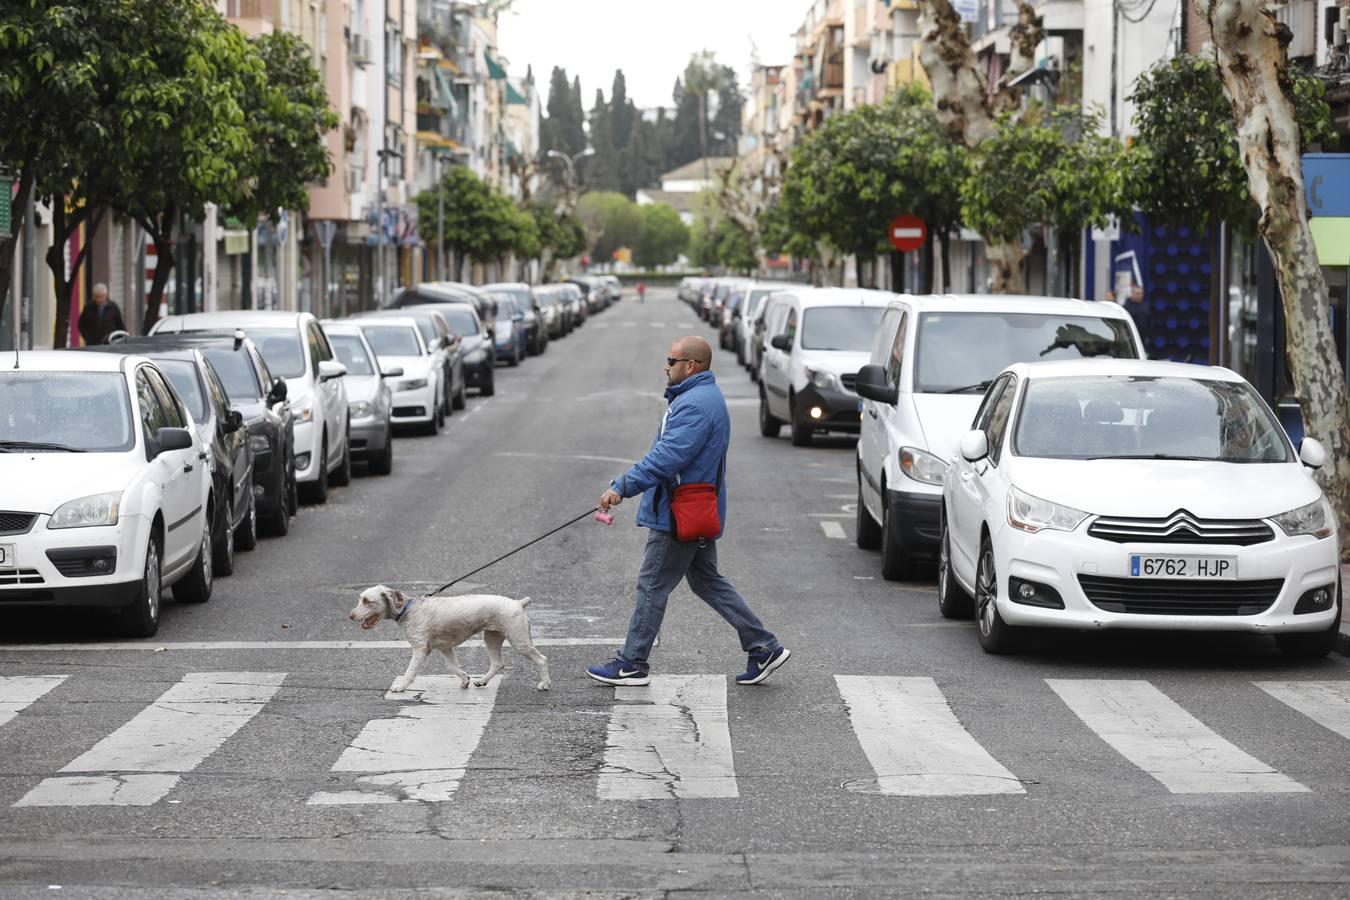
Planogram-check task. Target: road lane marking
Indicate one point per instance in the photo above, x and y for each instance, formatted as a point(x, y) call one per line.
point(669, 741)
point(1325, 702)
point(833, 530)
point(17, 692)
point(152, 646)
point(189, 722)
point(421, 754)
point(608, 459)
point(1152, 731)
point(915, 743)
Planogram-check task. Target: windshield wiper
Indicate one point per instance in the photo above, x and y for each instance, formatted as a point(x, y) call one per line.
point(37, 445)
point(980, 386)
point(1158, 456)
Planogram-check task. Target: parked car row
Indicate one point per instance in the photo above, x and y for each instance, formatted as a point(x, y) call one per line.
point(148, 463)
point(1058, 478)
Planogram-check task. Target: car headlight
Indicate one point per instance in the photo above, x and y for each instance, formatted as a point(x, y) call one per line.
point(259, 443)
point(360, 409)
point(1032, 514)
point(922, 466)
point(412, 384)
point(824, 381)
point(1316, 519)
point(304, 410)
point(96, 509)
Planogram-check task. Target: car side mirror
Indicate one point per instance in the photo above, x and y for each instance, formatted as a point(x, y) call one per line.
point(279, 390)
point(780, 342)
point(234, 420)
point(1312, 453)
point(330, 369)
point(872, 385)
point(173, 439)
point(974, 446)
point(395, 372)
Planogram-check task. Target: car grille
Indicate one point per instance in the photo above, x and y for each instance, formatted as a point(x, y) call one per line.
point(1158, 596)
point(850, 381)
point(1182, 528)
point(16, 522)
point(10, 577)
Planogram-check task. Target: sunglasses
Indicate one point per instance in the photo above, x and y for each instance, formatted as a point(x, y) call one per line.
point(671, 360)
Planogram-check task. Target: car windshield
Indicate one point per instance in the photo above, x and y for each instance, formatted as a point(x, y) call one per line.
point(392, 340)
point(352, 354)
point(944, 362)
point(86, 411)
point(282, 349)
point(462, 321)
point(183, 375)
point(236, 373)
point(1147, 418)
point(840, 327)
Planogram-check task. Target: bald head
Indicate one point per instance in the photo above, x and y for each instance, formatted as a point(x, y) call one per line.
point(688, 356)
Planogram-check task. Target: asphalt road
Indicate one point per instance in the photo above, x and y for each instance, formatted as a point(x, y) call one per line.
point(247, 751)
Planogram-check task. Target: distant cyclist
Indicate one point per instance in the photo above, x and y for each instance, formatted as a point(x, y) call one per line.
point(642, 292)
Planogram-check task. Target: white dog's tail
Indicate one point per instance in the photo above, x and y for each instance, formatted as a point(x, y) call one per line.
point(524, 602)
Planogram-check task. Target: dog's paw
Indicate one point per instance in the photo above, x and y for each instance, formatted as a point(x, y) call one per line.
point(543, 686)
point(464, 683)
point(399, 687)
point(480, 682)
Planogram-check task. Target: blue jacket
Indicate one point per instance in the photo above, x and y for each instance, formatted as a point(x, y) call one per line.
point(690, 446)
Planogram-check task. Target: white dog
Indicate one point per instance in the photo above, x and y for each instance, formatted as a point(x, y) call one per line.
point(443, 623)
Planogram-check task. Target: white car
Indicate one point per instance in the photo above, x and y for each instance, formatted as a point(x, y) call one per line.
point(748, 315)
point(818, 339)
point(398, 343)
point(106, 488)
point(1130, 494)
point(296, 349)
point(933, 358)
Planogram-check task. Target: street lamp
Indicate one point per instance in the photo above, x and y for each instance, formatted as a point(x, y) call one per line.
point(571, 162)
point(385, 155)
point(439, 154)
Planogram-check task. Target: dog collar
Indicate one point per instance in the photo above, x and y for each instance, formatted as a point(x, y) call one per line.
point(404, 611)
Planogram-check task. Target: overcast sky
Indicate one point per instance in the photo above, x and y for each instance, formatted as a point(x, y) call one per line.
point(651, 41)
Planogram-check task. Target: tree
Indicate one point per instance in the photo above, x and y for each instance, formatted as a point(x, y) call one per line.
point(932, 169)
point(664, 236)
point(1250, 48)
point(611, 221)
point(602, 169)
point(481, 223)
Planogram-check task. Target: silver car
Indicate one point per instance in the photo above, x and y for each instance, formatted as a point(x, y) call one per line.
point(368, 397)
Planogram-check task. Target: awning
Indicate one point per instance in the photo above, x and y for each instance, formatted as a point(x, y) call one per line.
point(447, 94)
point(495, 70)
point(514, 96)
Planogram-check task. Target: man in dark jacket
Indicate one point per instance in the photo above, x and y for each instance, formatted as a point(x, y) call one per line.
point(101, 318)
point(690, 448)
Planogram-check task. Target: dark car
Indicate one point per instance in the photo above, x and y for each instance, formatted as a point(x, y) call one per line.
point(520, 294)
point(557, 309)
point(477, 349)
point(261, 398)
point(595, 293)
point(438, 292)
point(234, 513)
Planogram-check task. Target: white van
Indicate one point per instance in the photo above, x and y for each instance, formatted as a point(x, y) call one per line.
point(931, 362)
point(817, 339)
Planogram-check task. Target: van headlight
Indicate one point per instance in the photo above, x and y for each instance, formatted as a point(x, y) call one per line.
point(922, 466)
point(824, 381)
point(1316, 519)
point(86, 512)
point(1032, 514)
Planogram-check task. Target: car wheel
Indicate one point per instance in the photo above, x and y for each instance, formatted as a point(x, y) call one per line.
point(769, 425)
point(140, 618)
point(489, 386)
point(461, 396)
point(384, 463)
point(246, 536)
point(343, 475)
point(995, 635)
point(801, 432)
point(434, 426)
point(515, 356)
point(223, 545)
point(896, 563)
point(1312, 644)
point(318, 491)
point(292, 489)
point(953, 601)
point(195, 586)
point(869, 532)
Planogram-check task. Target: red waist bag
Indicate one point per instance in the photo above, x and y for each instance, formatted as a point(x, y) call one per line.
point(694, 509)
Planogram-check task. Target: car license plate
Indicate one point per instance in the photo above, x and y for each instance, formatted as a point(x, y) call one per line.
point(7, 557)
point(1221, 568)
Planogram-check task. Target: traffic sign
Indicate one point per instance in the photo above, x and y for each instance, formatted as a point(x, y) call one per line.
point(907, 233)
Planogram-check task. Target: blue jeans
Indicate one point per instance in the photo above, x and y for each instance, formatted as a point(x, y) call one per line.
point(664, 563)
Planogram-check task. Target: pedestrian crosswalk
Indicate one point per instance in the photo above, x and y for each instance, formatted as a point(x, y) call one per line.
point(673, 740)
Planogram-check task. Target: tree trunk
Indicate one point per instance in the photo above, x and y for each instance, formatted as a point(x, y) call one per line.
point(945, 238)
point(164, 262)
point(18, 211)
point(63, 228)
point(1250, 48)
point(1007, 264)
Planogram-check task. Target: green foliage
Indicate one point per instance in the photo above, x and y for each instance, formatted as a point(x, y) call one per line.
point(611, 221)
point(570, 238)
point(561, 235)
point(717, 242)
point(481, 223)
point(1185, 167)
point(664, 236)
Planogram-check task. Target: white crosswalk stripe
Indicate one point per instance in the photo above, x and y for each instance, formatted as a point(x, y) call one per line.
point(189, 722)
point(17, 692)
point(1325, 702)
point(422, 752)
point(915, 743)
point(669, 741)
point(1156, 734)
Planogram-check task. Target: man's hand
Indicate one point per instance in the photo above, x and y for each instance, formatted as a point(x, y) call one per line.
point(610, 498)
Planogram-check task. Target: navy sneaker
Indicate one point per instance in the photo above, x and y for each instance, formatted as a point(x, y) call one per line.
point(615, 672)
point(762, 665)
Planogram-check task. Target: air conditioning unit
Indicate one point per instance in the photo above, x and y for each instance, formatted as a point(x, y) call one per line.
point(362, 53)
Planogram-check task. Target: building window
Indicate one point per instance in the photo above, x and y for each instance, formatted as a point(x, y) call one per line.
point(393, 55)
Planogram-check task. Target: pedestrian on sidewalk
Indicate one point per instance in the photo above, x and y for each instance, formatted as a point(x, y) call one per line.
point(101, 318)
point(642, 291)
point(690, 449)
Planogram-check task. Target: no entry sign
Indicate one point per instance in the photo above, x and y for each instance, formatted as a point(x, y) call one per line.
point(907, 233)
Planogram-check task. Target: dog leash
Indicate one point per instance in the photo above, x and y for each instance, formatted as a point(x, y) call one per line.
point(602, 517)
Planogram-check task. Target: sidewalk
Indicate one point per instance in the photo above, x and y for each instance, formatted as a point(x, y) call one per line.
point(1343, 642)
